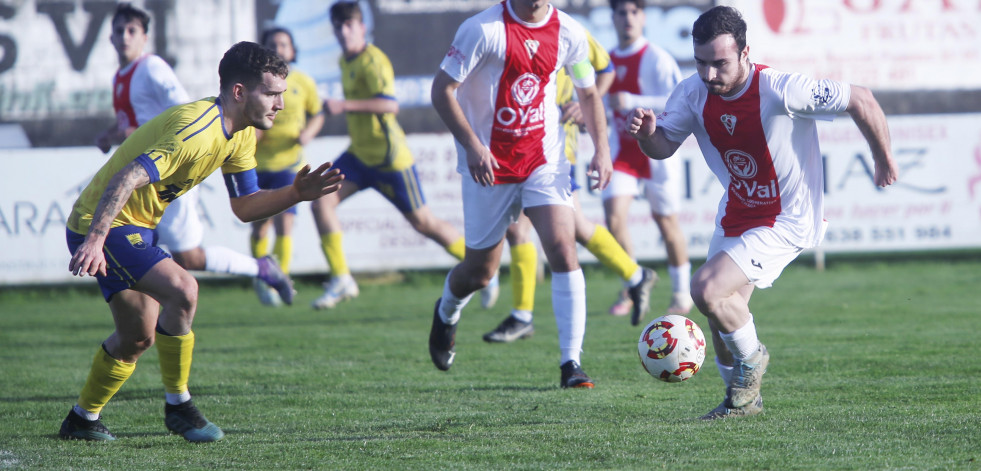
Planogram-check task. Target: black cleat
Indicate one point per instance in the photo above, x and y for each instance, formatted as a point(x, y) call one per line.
point(509, 330)
point(641, 296)
point(76, 427)
point(186, 420)
point(574, 377)
point(442, 340)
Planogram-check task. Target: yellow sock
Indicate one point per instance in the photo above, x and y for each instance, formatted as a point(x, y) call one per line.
point(333, 247)
point(260, 247)
point(457, 249)
point(524, 268)
point(606, 248)
point(105, 378)
point(175, 360)
point(283, 250)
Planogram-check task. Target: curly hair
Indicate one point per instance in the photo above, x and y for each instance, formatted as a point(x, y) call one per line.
point(245, 63)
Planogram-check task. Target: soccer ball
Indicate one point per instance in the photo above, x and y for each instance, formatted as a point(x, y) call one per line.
point(671, 348)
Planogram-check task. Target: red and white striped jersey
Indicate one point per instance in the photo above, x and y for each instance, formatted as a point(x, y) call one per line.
point(143, 89)
point(507, 70)
point(762, 144)
point(649, 74)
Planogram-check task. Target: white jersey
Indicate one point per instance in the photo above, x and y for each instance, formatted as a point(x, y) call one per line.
point(507, 70)
point(145, 88)
point(762, 144)
point(646, 74)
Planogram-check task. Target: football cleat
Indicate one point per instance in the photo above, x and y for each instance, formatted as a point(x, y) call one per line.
point(725, 410)
point(490, 293)
point(76, 427)
point(272, 275)
point(338, 289)
point(747, 375)
point(186, 420)
point(640, 295)
point(442, 341)
point(622, 306)
point(574, 377)
point(267, 295)
point(509, 330)
point(681, 304)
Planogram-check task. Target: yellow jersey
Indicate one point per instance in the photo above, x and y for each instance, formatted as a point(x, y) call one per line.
point(179, 148)
point(564, 92)
point(376, 138)
point(278, 149)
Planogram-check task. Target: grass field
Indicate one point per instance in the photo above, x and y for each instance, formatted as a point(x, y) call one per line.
point(876, 364)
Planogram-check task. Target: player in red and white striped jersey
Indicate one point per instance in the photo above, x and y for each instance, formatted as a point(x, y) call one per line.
point(756, 129)
point(496, 92)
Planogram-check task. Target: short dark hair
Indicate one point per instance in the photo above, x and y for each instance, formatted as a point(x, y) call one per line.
point(129, 13)
point(269, 33)
point(245, 63)
point(640, 3)
point(718, 21)
point(345, 10)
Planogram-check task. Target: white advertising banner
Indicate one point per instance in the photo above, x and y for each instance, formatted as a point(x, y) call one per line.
point(881, 44)
point(935, 205)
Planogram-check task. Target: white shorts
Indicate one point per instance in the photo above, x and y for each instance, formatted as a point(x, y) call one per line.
point(761, 253)
point(489, 210)
point(662, 190)
point(180, 227)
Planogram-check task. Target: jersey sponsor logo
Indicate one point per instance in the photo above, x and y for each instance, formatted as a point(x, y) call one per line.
point(729, 121)
point(136, 240)
point(526, 88)
point(740, 164)
point(456, 54)
point(531, 46)
point(821, 95)
point(524, 117)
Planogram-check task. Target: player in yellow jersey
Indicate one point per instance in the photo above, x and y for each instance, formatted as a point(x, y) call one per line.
point(110, 231)
point(279, 153)
point(596, 238)
point(378, 156)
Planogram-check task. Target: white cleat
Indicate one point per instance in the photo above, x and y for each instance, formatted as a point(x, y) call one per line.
point(338, 289)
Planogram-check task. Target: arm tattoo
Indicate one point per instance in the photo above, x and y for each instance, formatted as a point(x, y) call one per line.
point(115, 196)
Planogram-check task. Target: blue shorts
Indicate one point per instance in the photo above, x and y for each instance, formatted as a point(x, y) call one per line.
point(130, 251)
point(572, 178)
point(400, 187)
point(275, 181)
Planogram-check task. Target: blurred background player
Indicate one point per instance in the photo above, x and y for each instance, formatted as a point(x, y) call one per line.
point(595, 237)
point(110, 231)
point(645, 76)
point(756, 129)
point(378, 157)
point(279, 153)
point(502, 64)
point(143, 87)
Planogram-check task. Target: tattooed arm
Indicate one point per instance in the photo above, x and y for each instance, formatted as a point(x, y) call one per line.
point(89, 258)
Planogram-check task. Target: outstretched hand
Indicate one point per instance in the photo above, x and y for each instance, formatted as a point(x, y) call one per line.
point(322, 181)
point(642, 124)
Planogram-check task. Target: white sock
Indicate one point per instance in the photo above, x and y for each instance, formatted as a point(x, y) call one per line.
point(569, 304)
point(176, 399)
point(680, 278)
point(451, 306)
point(743, 341)
point(725, 371)
point(84, 413)
point(225, 260)
point(634, 279)
point(522, 315)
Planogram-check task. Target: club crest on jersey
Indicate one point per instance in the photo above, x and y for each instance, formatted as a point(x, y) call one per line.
point(740, 163)
point(525, 89)
point(729, 121)
point(531, 45)
point(136, 240)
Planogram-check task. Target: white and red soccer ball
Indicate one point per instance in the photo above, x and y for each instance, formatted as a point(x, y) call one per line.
point(672, 348)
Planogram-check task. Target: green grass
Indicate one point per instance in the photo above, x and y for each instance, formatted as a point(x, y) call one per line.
point(876, 364)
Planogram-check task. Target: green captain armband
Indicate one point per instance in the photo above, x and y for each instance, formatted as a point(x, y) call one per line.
point(582, 69)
